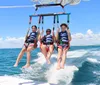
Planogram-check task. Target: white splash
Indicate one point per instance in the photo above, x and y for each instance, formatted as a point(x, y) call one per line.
point(63, 75)
point(93, 60)
point(9, 80)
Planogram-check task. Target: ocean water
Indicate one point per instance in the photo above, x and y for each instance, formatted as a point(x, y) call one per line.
point(82, 68)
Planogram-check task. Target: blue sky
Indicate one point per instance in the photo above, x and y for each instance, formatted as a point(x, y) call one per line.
point(14, 22)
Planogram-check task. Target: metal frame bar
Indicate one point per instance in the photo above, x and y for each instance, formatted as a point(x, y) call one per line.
point(45, 5)
point(50, 14)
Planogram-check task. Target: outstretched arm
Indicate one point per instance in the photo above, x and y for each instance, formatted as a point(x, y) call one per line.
point(40, 35)
point(53, 34)
point(69, 35)
point(57, 33)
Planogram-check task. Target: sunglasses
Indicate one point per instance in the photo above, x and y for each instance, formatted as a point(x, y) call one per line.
point(48, 31)
point(33, 28)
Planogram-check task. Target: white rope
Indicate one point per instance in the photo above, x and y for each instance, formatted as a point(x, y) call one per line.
point(24, 6)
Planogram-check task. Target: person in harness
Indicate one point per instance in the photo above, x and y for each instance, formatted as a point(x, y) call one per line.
point(29, 45)
point(63, 43)
point(47, 45)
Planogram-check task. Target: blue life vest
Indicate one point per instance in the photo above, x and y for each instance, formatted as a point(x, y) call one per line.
point(47, 39)
point(32, 37)
point(63, 37)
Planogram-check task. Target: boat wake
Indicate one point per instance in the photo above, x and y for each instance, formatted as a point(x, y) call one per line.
point(40, 72)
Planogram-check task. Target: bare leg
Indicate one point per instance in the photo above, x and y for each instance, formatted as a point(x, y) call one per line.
point(64, 58)
point(59, 58)
point(29, 49)
point(20, 56)
point(51, 47)
point(44, 51)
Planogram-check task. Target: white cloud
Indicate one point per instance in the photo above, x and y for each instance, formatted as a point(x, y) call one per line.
point(89, 32)
point(86, 39)
point(0, 38)
point(89, 38)
point(11, 42)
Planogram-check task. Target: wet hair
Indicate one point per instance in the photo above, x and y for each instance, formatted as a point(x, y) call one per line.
point(48, 30)
point(34, 26)
point(64, 24)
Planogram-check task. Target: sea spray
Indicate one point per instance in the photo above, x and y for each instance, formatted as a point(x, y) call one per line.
point(56, 76)
point(63, 75)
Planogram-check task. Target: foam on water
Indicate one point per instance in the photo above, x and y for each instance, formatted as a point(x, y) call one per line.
point(91, 84)
point(63, 75)
point(10, 80)
point(97, 73)
point(76, 54)
point(71, 54)
point(93, 60)
point(95, 56)
point(50, 74)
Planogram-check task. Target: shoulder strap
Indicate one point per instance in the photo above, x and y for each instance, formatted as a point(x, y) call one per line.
point(30, 33)
point(59, 35)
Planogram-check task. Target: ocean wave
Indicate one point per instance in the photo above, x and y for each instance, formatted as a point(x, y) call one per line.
point(89, 73)
point(81, 68)
point(93, 60)
point(49, 72)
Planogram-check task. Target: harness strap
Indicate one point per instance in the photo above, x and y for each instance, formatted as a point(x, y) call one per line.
point(42, 21)
point(68, 18)
point(57, 21)
point(48, 43)
point(43, 41)
point(54, 22)
point(30, 20)
point(39, 22)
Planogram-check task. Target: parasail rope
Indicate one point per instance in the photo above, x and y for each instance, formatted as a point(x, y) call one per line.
point(54, 22)
point(57, 21)
point(24, 6)
point(42, 21)
point(39, 22)
point(68, 18)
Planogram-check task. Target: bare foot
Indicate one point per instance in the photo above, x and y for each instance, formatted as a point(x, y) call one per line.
point(26, 66)
point(15, 65)
point(58, 68)
point(48, 61)
point(62, 67)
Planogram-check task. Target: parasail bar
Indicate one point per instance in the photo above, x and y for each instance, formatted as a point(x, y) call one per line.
point(43, 5)
point(50, 14)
